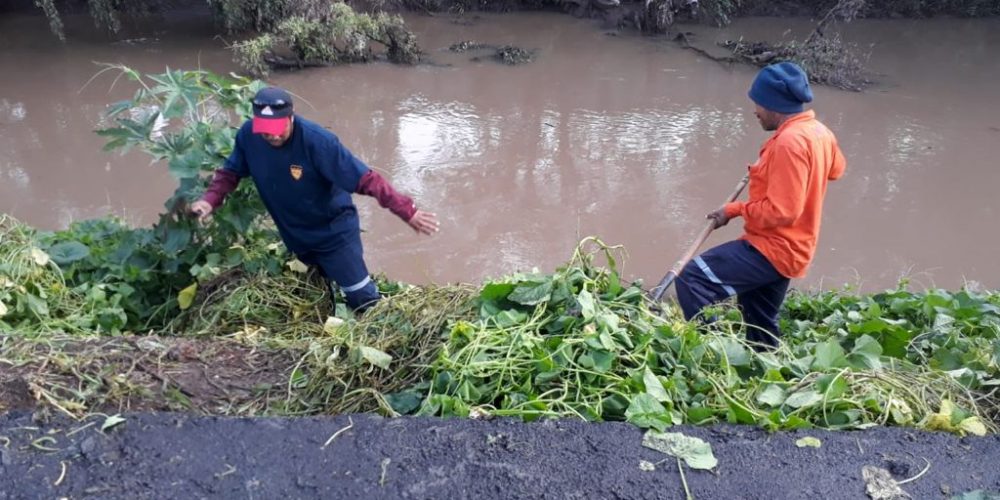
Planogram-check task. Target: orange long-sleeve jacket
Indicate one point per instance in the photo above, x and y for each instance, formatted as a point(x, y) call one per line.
point(787, 186)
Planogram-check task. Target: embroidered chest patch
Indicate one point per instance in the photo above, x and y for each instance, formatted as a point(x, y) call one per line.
point(296, 172)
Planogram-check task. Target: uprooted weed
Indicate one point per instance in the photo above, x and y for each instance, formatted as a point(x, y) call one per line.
point(574, 343)
point(579, 343)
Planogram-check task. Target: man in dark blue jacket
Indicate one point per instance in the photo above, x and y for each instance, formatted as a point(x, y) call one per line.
point(305, 177)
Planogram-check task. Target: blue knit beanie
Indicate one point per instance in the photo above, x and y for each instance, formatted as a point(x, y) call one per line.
point(781, 87)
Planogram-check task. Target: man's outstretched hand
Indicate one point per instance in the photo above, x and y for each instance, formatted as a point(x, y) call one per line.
point(201, 208)
point(424, 222)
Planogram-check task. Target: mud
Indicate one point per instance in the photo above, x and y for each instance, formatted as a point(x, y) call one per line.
point(179, 456)
point(217, 376)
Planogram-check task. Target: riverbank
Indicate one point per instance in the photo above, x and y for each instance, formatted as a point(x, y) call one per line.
point(362, 456)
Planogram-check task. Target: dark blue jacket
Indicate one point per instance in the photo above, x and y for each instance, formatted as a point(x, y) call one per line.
point(306, 184)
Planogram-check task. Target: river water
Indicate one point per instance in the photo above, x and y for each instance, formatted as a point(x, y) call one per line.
point(628, 138)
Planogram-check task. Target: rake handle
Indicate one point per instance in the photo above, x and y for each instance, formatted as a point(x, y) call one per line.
point(657, 293)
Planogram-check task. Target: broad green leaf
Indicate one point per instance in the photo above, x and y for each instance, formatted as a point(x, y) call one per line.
point(947, 359)
point(185, 166)
point(186, 296)
point(895, 342)
point(177, 239)
point(37, 305)
point(468, 392)
point(496, 291)
point(509, 318)
point(739, 414)
point(68, 252)
point(654, 387)
point(614, 406)
point(608, 322)
point(831, 386)
point(375, 357)
point(734, 351)
point(773, 395)
point(404, 402)
point(601, 361)
point(645, 411)
point(3, 309)
point(803, 398)
point(531, 293)
point(699, 414)
point(808, 441)
point(794, 422)
point(547, 377)
point(829, 354)
point(866, 354)
point(587, 307)
point(607, 342)
point(614, 283)
point(865, 344)
point(695, 452)
point(843, 418)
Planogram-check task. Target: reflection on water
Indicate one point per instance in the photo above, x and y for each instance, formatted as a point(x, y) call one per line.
point(11, 112)
point(628, 138)
point(910, 145)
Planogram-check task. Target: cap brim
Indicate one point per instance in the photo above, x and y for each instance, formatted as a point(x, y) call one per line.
point(270, 126)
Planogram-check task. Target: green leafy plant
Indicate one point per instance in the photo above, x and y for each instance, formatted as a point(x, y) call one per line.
point(186, 121)
point(579, 343)
point(326, 33)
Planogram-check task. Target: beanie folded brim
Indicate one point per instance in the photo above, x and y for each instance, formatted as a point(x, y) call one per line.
point(782, 87)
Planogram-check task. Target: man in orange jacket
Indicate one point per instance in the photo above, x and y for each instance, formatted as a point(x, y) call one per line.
point(782, 215)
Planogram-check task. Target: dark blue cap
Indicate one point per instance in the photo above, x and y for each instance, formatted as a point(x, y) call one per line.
point(272, 102)
point(781, 87)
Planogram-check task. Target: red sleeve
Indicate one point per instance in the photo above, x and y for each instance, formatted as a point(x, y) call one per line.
point(223, 183)
point(374, 185)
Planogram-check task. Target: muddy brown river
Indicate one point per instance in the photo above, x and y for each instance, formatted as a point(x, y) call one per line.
point(629, 138)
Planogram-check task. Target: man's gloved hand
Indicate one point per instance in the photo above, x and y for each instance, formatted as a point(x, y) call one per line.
point(719, 216)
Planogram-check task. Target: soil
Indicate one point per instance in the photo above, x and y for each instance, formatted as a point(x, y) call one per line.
point(217, 376)
point(158, 455)
point(45, 453)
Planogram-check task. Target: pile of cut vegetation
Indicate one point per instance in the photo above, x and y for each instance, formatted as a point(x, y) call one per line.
point(578, 342)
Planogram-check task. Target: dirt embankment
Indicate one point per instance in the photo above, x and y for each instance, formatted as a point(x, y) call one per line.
point(364, 456)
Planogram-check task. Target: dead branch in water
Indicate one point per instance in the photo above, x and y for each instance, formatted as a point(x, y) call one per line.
point(846, 10)
point(827, 59)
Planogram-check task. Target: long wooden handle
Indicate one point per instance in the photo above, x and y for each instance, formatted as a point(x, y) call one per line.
point(657, 293)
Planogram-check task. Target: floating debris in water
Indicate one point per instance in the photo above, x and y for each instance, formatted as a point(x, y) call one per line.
point(509, 54)
point(468, 45)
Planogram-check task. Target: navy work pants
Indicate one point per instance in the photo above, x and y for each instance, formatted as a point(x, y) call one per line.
point(735, 268)
point(345, 267)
